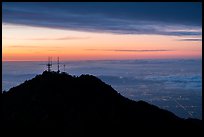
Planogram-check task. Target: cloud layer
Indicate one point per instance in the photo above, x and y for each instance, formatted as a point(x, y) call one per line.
point(190, 39)
point(129, 50)
point(174, 19)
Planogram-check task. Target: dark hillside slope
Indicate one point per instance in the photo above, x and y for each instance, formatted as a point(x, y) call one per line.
point(82, 104)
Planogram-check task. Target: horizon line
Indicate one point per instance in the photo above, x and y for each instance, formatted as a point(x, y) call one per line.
point(104, 59)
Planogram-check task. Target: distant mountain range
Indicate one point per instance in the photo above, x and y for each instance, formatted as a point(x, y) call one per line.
point(80, 105)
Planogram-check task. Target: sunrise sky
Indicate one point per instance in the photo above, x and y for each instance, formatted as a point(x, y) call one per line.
point(100, 31)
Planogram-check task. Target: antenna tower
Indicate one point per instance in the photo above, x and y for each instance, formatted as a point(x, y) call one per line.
point(64, 67)
point(58, 65)
point(49, 64)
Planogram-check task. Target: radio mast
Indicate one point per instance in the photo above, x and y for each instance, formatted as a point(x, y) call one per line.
point(49, 64)
point(64, 67)
point(58, 71)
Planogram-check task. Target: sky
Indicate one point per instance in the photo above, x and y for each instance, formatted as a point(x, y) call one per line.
point(101, 31)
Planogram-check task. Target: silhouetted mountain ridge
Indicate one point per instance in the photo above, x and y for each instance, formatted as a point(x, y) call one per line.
point(81, 104)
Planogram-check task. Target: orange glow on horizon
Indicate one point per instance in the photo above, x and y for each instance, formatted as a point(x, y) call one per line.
point(36, 44)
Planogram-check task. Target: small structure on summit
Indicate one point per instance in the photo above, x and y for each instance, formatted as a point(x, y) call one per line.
point(58, 70)
point(64, 67)
point(49, 64)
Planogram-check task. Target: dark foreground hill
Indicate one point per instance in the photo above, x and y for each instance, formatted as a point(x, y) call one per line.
point(69, 105)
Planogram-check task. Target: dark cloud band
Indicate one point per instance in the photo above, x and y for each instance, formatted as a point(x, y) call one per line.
point(190, 39)
point(120, 18)
point(127, 50)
